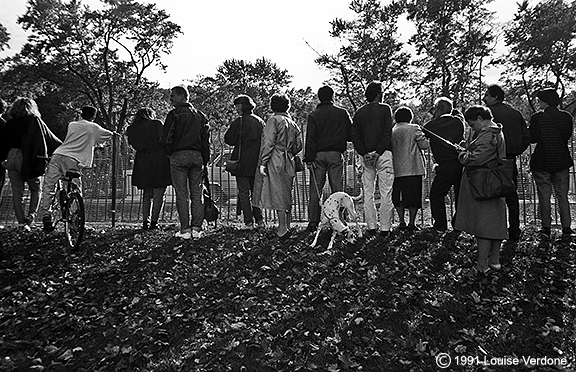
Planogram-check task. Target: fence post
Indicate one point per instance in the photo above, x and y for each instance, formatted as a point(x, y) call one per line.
point(113, 210)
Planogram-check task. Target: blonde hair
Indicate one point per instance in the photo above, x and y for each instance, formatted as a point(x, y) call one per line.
point(23, 106)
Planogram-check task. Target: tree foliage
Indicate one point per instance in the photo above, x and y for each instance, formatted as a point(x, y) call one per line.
point(101, 54)
point(452, 38)
point(370, 49)
point(4, 37)
point(542, 42)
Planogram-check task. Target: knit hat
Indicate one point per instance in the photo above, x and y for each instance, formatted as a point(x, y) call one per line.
point(549, 96)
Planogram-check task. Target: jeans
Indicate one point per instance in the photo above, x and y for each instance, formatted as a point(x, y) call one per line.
point(186, 169)
point(245, 188)
point(384, 173)
point(331, 162)
point(544, 183)
point(152, 198)
point(57, 168)
point(447, 176)
point(18, 196)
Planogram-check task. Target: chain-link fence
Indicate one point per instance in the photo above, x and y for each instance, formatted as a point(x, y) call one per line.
point(97, 190)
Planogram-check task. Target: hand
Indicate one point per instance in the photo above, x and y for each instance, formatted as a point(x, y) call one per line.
point(263, 170)
point(310, 165)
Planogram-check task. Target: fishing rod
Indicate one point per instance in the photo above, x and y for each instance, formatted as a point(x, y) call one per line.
point(454, 145)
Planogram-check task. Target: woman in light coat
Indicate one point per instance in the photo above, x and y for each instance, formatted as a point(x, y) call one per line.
point(485, 219)
point(280, 142)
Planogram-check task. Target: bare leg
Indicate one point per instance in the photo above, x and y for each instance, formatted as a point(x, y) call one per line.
point(413, 212)
point(400, 211)
point(495, 253)
point(282, 223)
point(484, 248)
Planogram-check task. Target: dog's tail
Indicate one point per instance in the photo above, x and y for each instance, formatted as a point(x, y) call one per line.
point(359, 197)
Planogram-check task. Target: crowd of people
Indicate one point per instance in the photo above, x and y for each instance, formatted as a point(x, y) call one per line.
point(390, 148)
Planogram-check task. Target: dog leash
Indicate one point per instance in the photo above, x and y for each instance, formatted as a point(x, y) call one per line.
point(313, 176)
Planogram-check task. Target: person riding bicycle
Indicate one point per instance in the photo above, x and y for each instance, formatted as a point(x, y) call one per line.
point(75, 154)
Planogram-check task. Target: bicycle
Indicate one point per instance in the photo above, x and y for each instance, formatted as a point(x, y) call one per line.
point(68, 200)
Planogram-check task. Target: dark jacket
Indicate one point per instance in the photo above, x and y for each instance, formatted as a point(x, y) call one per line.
point(551, 130)
point(186, 128)
point(151, 164)
point(450, 128)
point(516, 133)
point(249, 127)
point(329, 128)
point(37, 142)
point(372, 128)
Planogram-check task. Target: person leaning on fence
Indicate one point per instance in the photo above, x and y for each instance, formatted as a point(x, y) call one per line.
point(517, 139)
point(449, 169)
point(408, 141)
point(27, 143)
point(186, 140)
point(551, 129)
point(3, 106)
point(75, 154)
point(245, 134)
point(151, 171)
point(273, 183)
point(327, 133)
point(371, 136)
point(485, 219)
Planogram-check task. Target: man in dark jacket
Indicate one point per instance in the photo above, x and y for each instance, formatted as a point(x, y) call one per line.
point(372, 139)
point(448, 169)
point(327, 134)
point(517, 138)
point(186, 140)
point(550, 130)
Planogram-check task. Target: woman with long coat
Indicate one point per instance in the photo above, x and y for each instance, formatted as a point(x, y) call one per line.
point(151, 171)
point(485, 219)
point(27, 144)
point(245, 134)
point(280, 142)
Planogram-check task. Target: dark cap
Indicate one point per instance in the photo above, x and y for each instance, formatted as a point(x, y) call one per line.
point(549, 96)
point(89, 112)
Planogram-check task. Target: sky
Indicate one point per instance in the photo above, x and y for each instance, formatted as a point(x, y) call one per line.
point(217, 30)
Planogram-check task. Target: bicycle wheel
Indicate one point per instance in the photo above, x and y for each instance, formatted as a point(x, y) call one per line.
point(74, 221)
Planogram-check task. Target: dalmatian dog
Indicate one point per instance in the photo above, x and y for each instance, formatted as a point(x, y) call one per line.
point(331, 217)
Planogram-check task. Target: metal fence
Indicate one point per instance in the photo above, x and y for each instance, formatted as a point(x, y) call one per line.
point(97, 190)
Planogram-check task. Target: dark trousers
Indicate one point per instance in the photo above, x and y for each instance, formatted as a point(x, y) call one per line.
point(513, 207)
point(245, 189)
point(326, 162)
point(447, 176)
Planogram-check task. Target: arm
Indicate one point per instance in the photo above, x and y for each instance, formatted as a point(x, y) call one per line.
point(205, 138)
point(534, 129)
point(481, 151)
point(357, 139)
point(385, 140)
point(525, 133)
point(231, 136)
point(421, 140)
point(310, 150)
point(268, 141)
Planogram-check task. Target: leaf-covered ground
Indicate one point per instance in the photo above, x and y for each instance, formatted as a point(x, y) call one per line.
point(244, 301)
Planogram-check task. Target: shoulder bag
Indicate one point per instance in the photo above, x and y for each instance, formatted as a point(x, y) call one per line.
point(211, 211)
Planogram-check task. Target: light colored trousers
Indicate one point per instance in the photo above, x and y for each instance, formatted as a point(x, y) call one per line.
point(383, 172)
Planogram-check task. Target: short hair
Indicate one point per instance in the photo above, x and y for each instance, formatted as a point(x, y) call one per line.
point(246, 101)
point(145, 113)
point(325, 94)
point(23, 106)
point(473, 112)
point(550, 96)
point(280, 103)
point(89, 112)
point(444, 105)
point(403, 115)
point(180, 90)
point(3, 106)
point(373, 90)
point(496, 91)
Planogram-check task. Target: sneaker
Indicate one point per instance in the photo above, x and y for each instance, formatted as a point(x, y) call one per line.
point(312, 226)
point(544, 231)
point(153, 225)
point(248, 226)
point(183, 235)
point(261, 224)
point(48, 226)
point(384, 234)
point(25, 227)
point(196, 234)
point(567, 232)
point(402, 226)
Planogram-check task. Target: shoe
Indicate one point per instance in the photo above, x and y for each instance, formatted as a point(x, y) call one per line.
point(286, 235)
point(248, 226)
point(145, 225)
point(402, 226)
point(196, 234)
point(567, 232)
point(153, 225)
point(412, 228)
point(545, 231)
point(25, 227)
point(371, 232)
point(384, 234)
point(183, 235)
point(495, 266)
point(47, 224)
point(261, 224)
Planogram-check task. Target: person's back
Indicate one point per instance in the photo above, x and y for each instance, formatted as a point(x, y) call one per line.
point(81, 138)
point(332, 127)
point(450, 128)
point(372, 128)
point(551, 130)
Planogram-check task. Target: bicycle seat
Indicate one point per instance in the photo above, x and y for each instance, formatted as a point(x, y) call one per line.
point(73, 174)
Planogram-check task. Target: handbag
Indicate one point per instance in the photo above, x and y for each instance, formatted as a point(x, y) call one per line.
point(492, 182)
point(234, 166)
point(298, 164)
point(13, 161)
point(211, 211)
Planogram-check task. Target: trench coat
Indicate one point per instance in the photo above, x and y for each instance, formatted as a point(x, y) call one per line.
point(280, 142)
